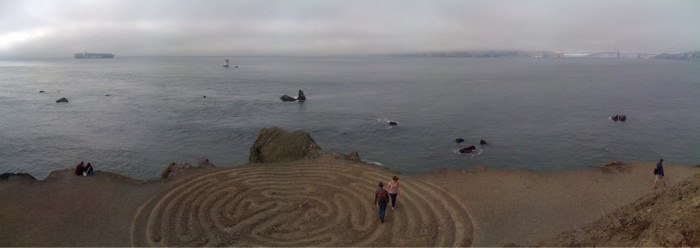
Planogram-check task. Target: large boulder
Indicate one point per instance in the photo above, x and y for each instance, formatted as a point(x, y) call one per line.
point(301, 96)
point(275, 144)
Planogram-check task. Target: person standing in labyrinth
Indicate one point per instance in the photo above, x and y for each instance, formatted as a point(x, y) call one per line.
point(381, 198)
point(393, 187)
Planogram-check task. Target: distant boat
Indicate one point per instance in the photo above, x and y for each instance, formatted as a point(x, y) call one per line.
point(226, 63)
point(94, 55)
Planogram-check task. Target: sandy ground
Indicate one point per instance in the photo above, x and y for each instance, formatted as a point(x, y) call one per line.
point(320, 202)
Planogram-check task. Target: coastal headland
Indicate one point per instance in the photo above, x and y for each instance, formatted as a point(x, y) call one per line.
point(292, 193)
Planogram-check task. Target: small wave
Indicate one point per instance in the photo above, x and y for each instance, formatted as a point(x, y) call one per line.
point(372, 162)
point(386, 121)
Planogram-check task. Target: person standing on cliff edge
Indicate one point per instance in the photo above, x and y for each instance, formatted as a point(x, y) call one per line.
point(381, 198)
point(659, 172)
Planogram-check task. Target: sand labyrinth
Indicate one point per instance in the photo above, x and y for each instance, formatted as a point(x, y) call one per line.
point(299, 205)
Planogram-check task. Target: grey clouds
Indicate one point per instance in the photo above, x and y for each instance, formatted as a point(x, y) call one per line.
point(59, 28)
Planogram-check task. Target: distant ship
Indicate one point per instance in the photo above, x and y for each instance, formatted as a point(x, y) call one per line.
point(226, 63)
point(94, 55)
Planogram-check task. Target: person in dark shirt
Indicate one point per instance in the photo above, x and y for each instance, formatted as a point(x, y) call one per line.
point(381, 198)
point(659, 173)
point(79, 169)
point(88, 170)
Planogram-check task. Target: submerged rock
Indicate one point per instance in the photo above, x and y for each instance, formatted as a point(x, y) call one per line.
point(618, 118)
point(468, 149)
point(7, 176)
point(614, 163)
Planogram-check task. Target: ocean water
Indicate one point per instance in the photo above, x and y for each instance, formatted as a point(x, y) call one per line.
point(541, 114)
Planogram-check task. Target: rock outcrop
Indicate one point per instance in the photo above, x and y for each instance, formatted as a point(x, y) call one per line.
point(286, 98)
point(468, 149)
point(275, 144)
point(618, 118)
point(177, 168)
point(353, 156)
point(301, 97)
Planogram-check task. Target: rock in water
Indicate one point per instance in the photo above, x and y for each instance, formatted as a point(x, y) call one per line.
point(62, 100)
point(287, 98)
point(7, 176)
point(301, 96)
point(469, 149)
point(278, 145)
point(459, 140)
point(483, 142)
point(41, 91)
point(392, 123)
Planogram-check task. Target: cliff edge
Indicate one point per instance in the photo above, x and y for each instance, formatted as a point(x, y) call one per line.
point(668, 217)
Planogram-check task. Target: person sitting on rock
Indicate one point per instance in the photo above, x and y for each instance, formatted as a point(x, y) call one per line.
point(88, 170)
point(79, 168)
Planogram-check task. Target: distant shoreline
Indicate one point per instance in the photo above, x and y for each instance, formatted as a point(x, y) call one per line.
point(504, 53)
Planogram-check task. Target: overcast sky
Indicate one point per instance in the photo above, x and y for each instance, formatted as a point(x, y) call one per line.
point(58, 28)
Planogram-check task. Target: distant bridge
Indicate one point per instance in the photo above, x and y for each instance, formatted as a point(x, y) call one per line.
point(604, 54)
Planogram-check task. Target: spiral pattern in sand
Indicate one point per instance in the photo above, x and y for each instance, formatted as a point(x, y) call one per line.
point(299, 205)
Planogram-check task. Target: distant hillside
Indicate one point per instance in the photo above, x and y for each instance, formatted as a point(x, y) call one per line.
point(488, 54)
point(680, 56)
point(667, 217)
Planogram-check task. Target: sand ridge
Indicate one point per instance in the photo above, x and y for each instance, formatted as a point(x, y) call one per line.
point(299, 204)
